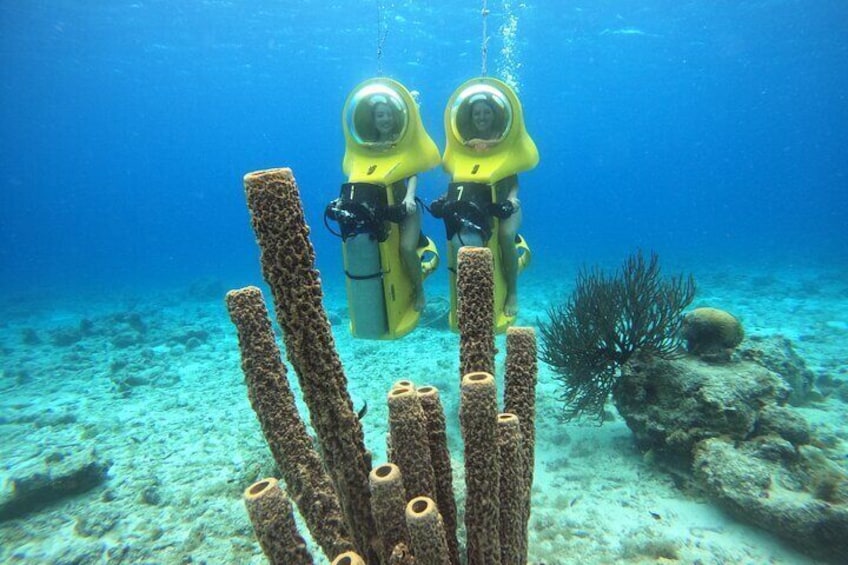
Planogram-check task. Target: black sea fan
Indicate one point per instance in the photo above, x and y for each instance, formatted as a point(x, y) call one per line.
point(604, 322)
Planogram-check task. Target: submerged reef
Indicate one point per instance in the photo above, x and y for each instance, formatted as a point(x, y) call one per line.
point(671, 405)
point(726, 430)
point(715, 417)
point(777, 354)
point(403, 511)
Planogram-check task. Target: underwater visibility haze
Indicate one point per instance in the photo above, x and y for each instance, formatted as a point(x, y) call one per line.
point(714, 134)
point(714, 129)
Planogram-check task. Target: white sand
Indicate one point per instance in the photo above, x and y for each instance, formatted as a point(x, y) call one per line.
point(185, 442)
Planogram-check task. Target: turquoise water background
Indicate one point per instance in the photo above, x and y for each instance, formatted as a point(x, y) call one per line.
point(706, 131)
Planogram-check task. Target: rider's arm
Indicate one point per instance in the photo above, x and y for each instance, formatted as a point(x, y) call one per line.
point(511, 183)
point(409, 199)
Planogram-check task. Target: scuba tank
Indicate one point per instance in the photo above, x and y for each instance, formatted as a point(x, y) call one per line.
point(359, 213)
point(379, 288)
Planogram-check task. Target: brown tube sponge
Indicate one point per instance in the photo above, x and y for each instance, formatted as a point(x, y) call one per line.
point(271, 514)
point(512, 491)
point(475, 291)
point(388, 501)
point(288, 265)
point(271, 397)
point(441, 459)
point(427, 532)
point(403, 383)
point(410, 447)
point(348, 558)
point(520, 396)
point(478, 418)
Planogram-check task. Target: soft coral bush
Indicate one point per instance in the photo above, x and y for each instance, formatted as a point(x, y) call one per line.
point(604, 322)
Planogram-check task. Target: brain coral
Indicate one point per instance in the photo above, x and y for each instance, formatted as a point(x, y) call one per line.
point(710, 331)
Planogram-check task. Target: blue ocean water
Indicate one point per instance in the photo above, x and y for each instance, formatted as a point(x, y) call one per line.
point(703, 130)
point(712, 132)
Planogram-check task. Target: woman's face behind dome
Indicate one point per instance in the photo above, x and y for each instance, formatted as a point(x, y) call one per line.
point(482, 117)
point(384, 120)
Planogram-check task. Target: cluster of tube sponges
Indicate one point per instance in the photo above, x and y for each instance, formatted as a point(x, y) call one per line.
point(404, 511)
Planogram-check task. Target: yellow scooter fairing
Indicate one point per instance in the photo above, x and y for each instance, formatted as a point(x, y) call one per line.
point(487, 161)
point(401, 317)
point(502, 321)
point(411, 151)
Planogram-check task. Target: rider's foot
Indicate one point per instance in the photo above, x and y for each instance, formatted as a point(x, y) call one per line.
point(418, 300)
point(510, 306)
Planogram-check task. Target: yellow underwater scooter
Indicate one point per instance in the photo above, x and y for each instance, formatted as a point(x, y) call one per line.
point(379, 290)
point(470, 206)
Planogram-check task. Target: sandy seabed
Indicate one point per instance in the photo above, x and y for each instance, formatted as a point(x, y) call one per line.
point(150, 384)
